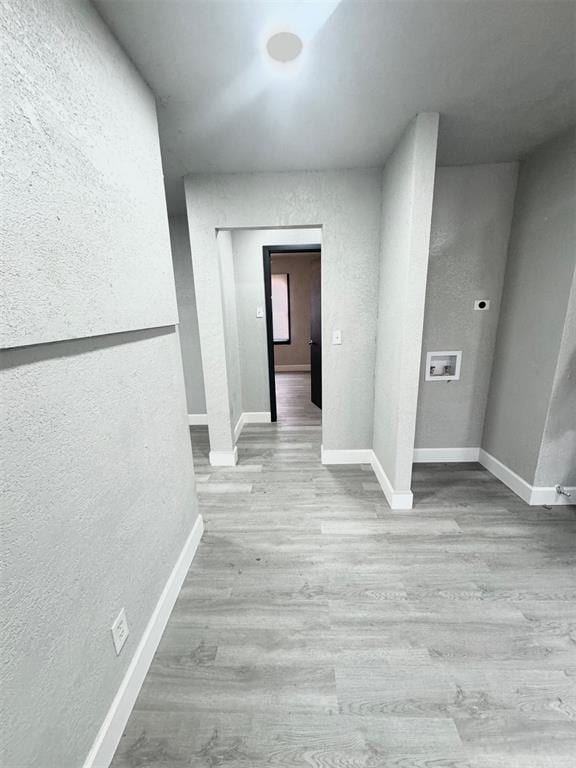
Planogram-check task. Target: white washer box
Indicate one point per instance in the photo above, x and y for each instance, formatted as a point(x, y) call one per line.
point(443, 366)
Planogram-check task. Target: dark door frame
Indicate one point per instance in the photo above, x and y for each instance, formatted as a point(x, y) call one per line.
point(267, 251)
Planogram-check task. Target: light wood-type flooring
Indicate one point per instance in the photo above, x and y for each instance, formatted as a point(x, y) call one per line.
point(293, 400)
point(319, 629)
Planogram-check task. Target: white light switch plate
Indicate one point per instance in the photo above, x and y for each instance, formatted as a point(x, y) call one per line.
point(120, 631)
point(259, 312)
point(336, 337)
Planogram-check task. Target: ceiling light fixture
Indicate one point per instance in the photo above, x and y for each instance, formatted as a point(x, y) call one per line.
point(284, 47)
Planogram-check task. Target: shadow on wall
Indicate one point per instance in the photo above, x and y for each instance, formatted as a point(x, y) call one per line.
point(34, 353)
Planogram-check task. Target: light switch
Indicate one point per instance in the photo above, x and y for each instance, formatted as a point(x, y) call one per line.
point(336, 337)
point(259, 312)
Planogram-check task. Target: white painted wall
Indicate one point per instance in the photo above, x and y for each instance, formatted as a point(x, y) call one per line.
point(102, 254)
point(188, 328)
point(97, 477)
point(539, 274)
point(247, 247)
point(471, 219)
point(347, 206)
point(98, 499)
point(408, 185)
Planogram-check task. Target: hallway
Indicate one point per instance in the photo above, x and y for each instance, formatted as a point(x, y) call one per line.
point(195, 192)
point(293, 400)
point(318, 628)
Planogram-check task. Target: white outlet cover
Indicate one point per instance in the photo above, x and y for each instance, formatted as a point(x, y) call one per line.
point(120, 631)
point(336, 337)
point(259, 312)
point(482, 304)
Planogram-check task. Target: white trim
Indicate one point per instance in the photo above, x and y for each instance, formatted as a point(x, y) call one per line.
point(223, 458)
point(303, 367)
point(196, 419)
point(355, 456)
point(542, 494)
point(251, 417)
point(238, 428)
point(535, 495)
point(111, 730)
point(257, 417)
point(396, 499)
point(433, 455)
point(506, 475)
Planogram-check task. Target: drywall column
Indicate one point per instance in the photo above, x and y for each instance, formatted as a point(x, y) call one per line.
point(228, 285)
point(188, 329)
point(557, 456)
point(407, 193)
point(539, 274)
point(208, 287)
point(99, 507)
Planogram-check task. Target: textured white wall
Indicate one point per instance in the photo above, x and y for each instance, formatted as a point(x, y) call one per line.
point(471, 218)
point(539, 271)
point(408, 186)
point(75, 119)
point(188, 328)
point(97, 476)
point(347, 206)
point(98, 502)
point(247, 246)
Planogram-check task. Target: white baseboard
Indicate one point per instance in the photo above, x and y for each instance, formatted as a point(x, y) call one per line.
point(354, 456)
point(251, 417)
point(257, 417)
point(248, 417)
point(223, 458)
point(110, 733)
point(303, 368)
point(542, 494)
point(196, 419)
point(506, 475)
point(535, 495)
point(238, 428)
point(445, 455)
point(396, 499)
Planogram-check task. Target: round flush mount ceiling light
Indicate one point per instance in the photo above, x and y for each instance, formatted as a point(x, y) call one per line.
point(284, 47)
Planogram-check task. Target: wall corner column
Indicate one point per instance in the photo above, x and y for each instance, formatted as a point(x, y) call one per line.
point(208, 288)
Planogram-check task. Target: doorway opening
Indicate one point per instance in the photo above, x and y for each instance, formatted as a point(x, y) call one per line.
point(292, 286)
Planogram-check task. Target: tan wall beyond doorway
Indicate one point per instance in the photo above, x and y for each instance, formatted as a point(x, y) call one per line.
point(297, 265)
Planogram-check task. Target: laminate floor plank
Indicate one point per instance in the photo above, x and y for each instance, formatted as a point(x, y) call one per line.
point(317, 628)
point(293, 400)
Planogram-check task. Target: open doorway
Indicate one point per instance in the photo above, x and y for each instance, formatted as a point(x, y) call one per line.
point(292, 285)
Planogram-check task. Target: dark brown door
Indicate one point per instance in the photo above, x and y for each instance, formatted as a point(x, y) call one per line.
point(315, 335)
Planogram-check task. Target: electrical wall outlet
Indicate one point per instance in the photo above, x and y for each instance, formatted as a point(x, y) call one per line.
point(336, 337)
point(482, 304)
point(120, 631)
